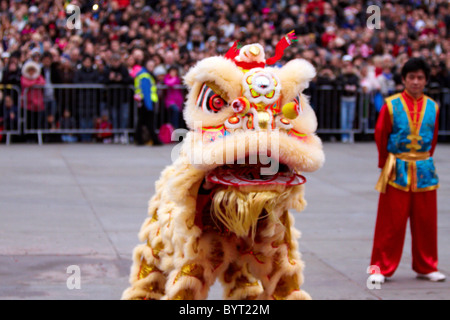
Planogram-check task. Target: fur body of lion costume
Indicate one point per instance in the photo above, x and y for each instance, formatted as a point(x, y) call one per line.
point(221, 209)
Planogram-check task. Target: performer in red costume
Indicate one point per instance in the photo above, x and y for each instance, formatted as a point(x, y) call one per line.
point(406, 134)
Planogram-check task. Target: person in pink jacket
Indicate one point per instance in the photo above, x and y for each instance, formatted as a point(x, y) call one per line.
point(33, 98)
point(174, 96)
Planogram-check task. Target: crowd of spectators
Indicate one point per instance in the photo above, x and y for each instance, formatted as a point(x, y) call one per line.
point(117, 35)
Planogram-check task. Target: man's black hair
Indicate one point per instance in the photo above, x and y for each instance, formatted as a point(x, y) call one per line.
point(416, 64)
point(88, 56)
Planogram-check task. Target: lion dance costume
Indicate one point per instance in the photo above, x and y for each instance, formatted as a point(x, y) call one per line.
point(221, 209)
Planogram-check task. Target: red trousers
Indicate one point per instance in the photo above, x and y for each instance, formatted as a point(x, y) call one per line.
point(394, 208)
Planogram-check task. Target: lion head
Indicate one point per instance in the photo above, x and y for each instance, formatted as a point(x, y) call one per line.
point(251, 135)
point(221, 209)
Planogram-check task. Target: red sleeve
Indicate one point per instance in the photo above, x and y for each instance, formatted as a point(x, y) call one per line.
point(383, 129)
point(436, 133)
point(40, 81)
point(25, 82)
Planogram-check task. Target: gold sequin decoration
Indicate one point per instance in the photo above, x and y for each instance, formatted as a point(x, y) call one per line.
point(187, 294)
point(190, 270)
point(243, 282)
point(286, 285)
point(146, 269)
point(261, 258)
point(154, 217)
point(154, 287)
point(263, 119)
point(156, 249)
point(254, 50)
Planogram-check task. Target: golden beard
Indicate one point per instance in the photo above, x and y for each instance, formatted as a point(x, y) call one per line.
point(239, 211)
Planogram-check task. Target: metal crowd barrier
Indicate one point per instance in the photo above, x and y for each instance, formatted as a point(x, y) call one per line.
point(164, 112)
point(326, 102)
point(441, 96)
point(10, 111)
point(79, 112)
point(73, 112)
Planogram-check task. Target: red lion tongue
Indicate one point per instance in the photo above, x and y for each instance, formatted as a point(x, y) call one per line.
point(251, 176)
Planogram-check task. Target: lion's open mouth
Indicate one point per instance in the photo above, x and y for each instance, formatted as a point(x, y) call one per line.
point(255, 174)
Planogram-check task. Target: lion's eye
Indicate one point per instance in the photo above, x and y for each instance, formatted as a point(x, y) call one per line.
point(217, 103)
point(209, 101)
point(298, 101)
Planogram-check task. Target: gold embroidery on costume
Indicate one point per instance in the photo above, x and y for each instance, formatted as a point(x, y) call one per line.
point(190, 270)
point(146, 269)
point(187, 294)
point(286, 285)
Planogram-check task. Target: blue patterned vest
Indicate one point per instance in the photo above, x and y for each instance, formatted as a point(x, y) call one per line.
point(414, 167)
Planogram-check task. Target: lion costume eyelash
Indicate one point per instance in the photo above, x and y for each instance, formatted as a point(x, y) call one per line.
point(218, 215)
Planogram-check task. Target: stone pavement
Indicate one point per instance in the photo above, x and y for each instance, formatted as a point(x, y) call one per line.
point(82, 205)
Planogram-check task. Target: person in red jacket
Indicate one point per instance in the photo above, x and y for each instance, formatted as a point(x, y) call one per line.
point(315, 4)
point(104, 127)
point(406, 134)
point(33, 98)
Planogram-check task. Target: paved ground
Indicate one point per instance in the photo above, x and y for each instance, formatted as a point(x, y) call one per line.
point(82, 205)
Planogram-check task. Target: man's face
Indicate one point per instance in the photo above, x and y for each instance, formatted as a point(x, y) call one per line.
point(150, 65)
point(47, 62)
point(115, 63)
point(415, 82)
point(87, 63)
point(8, 102)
